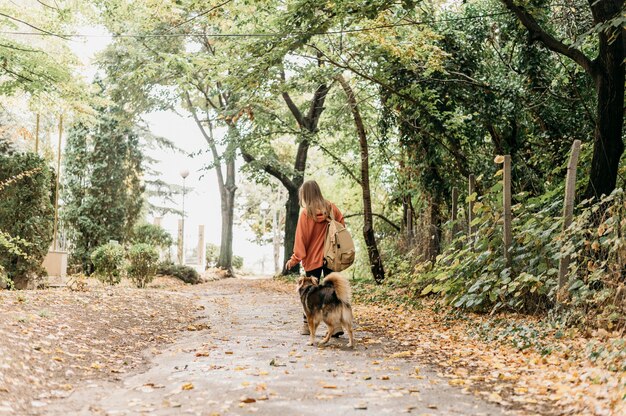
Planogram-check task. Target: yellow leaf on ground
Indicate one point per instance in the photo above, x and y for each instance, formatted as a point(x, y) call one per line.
point(403, 354)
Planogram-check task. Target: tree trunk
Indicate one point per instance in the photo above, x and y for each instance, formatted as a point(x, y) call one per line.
point(227, 186)
point(228, 207)
point(276, 241)
point(376, 263)
point(434, 229)
point(292, 211)
point(608, 146)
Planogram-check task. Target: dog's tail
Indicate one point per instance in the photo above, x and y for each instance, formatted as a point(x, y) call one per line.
point(341, 286)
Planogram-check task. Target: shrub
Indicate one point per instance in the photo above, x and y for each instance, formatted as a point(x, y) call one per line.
point(471, 273)
point(26, 215)
point(185, 273)
point(237, 262)
point(213, 256)
point(143, 260)
point(151, 234)
point(108, 261)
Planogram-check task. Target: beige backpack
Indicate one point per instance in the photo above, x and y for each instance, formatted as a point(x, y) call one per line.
point(338, 246)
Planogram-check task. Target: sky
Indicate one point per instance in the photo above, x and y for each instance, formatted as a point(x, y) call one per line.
point(202, 203)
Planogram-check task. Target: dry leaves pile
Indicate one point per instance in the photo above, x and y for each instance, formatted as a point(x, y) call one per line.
point(561, 381)
point(51, 341)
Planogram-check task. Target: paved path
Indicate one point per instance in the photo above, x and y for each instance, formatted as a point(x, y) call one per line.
point(252, 361)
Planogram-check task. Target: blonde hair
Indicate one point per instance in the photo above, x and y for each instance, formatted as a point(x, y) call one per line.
point(312, 200)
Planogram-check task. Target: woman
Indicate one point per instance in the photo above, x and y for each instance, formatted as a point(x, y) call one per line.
point(311, 234)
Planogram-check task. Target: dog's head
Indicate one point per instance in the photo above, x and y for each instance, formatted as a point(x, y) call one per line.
point(306, 281)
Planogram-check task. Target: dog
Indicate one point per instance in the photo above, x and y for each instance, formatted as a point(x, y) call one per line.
point(328, 302)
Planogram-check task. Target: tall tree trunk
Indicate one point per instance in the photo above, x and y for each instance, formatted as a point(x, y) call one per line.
point(434, 232)
point(376, 262)
point(608, 146)
point(276, 241)
point(227, 186)
point(225, 260)
point(292, 211)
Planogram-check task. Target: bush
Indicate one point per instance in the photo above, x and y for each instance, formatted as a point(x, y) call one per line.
point(471, 273)
point(108, 261)
point(213, 256)
point(26, 215)
point(151, 234)
point(143, 260)
point(185, 273)
point(237, 262)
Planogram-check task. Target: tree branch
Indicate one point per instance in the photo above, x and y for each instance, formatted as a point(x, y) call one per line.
point(209, 139)
point(33, 26)
point(294, 110)
point(341, 162)
point(317, 106)
point(537, 33)
point(272, 170)
point(3, 45)
point(382, 217)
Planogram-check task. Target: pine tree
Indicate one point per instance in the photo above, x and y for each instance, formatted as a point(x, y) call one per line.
point(103, 190)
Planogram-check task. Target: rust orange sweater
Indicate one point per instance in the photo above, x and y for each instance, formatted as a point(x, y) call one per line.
point(310, 237)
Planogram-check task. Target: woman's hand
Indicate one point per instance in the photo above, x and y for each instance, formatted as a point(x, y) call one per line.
point(289, 265)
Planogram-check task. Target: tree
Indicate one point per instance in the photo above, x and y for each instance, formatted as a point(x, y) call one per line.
point(102, 183)
point(376, 263)
point(42, 64)
point(26, 216)
point(307, 127)
point(199, 77)
point(608, 75)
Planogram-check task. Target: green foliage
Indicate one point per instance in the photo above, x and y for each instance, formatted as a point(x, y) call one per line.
point(212, 254)
point(43, 68)
point(143, 259)
point(151, 234)
point(472, 273)
point(102, 183)
point(438, 101)
point(237, 262)
point(108, 262)
point(185, 273)
point(26, 215)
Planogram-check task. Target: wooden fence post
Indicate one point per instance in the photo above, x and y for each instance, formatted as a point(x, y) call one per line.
point(568, 207)
point(201, 247)
point(470, 214)
point(455, 198)
point(409, 226)
point(56, 194)
point(506, 182)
